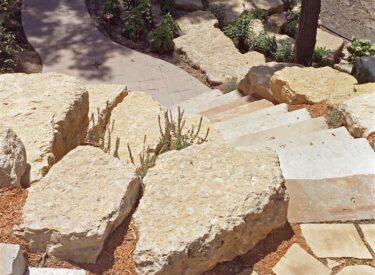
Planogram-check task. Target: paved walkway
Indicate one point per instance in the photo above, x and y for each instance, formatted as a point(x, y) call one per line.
point(63, 34)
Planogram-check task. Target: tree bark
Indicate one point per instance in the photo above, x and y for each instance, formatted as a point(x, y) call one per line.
point(307, 28)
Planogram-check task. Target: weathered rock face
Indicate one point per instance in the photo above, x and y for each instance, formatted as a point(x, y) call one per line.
point(13, 162)
point(196, 20)
point(294, 85)
point(364, 69)
point(271, 6)
point(12, 261)
point(232, 9)
point(216, 55)
point(84, 197)
point(49, 114)
point(332, 43)
point(257, 80)
point(276, 21)
point(188, 5)
point(359, 114)
point(204, 205)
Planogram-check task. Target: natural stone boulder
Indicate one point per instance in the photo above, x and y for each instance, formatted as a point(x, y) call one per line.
point(364, 88)
point(271, 6)
point(13, 163)
point(257, 80)
point(12, 261)
point(294, 85)
point(49, 114)
point(364, 69)
point(207, 204)
point(188, 5)
point(197, 20)
point(275, 22)
point(332, 43)
point(359, 114)
point(232, 9)
point(215, 54)
point(84, 197)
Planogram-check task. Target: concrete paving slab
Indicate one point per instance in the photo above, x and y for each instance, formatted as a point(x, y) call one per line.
point(369, 232)
point(327, 200)
point(306, 126)
point(208, 95)
point(329, 160)
point(297, 260)
point(335, 241)
point(54, 271)
point(357, 270)
point(12, 260)
point(241, 110)
point(231, 135)
point(251, 117)
point(209, 113)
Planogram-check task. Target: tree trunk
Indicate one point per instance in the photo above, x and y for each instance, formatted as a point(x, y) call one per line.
point(306, 36)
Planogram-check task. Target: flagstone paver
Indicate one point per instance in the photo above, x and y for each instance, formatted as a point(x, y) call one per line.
point(63, 34)
point(332, 263)
point(369, 233)
point(357, 270)
point(297, 260)
point(335, 240)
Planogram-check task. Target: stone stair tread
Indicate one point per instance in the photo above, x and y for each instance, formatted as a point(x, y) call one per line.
point(331, 159)
point(251, 127)
point(201, 105)
point(307, 126)
point(228, 106)
point(303, 139)
point(251, 117)
point(204, 96)
point(241, 110)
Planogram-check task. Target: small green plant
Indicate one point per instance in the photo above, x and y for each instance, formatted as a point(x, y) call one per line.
point(138, 21)
point(261, 42)
point(321, 55)
point(230, 85)
point(239, 30)
point(161, 38)
point(219, 11)
point(284, 52)
point(130, 4)
point(258, 14)
point(291, 26)
point(111, 7)
point(167, 6)
point(335, 119)
point(360, 48)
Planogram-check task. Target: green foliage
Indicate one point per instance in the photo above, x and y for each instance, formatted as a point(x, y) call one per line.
point(360, 48)
point(219, 11)
point(284, 52)
point(261, 42)
point(239, 30)
point(335, 119)
point(161, 38)
point(230, 85)
point(167, 6)
point(111, 7)
point(130, 4)
point(291, 26)
point(289, 4)
point(138, 21)
point(321, 55)
point(258, 14)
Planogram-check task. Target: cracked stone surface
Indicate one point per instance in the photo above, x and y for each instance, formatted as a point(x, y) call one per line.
point(369, 233)
point(357, 270)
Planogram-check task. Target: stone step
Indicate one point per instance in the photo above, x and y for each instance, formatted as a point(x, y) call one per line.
point(333, 159)
point(202, 104)
point(241, 110)
point(304, 139)
point(228, 106)
point(196, 99)
point(290, 130)
point(231, 135)
point(251, 117)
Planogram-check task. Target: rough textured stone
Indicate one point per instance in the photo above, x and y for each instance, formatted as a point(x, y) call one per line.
point(204, 205)
point(332, 43)
point(49, 114)
point(137, 116)
point(257, 80)
point(276, 21)
point(84, 197)
point(357, 270)
point(337, 199)
point(364, 88)
point(369, 233)
point(296, 260)
point(271, 6)
point(335, 241)
point(12, 261)
point(196, 20)
point(296, 85)
point(13, 162)
point(232, 8)
point(359, 114)
point(215, 54)
point(188, 5)
point(364, 69)
point(54, 271)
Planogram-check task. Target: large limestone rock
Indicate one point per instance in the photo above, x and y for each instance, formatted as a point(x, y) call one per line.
point(188, 5)
point(13, 162)
point(257, 80)
point(12, 261)
point(276, 22)
point(359, 114)
point(196, 20)
point(364, 69)
point(271, 6)
point(84, 197)
point(49, 114)
point(232, 8)
point(215, 54)
point(204, 205)
point(294, 85)
point(332, 43)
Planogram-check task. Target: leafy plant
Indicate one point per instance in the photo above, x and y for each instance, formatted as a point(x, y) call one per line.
point(291, 26)
point(321, 55)
point(258, 14)
point(130, 4)
point(261, 42)
point(167, 6)
point(230, 85)
point(360, 48)
point(138, 21)
point(111, 7)
point(284, 52)
point(238, 31)
point(219, 11)
point(161, 38)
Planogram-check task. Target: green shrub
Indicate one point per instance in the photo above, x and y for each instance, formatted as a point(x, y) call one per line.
point(230, 85)
point(111, 7)
point(258, 14)
point(360, 48)
point(219, 11)
point(138, 21)
point(161, 38)
point(321, 55)
point(284, 52)
point(261, 42)
point(238, 31)
point(130, 4)
point(167, 6)
point(291, 26)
